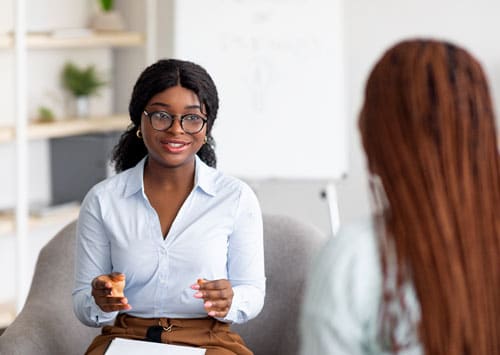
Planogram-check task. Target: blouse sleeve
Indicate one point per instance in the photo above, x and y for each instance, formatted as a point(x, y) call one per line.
point(246, 260)
point(92, 258)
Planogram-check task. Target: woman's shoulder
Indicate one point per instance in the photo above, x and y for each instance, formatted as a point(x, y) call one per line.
point(346, 272)
point(354, 241)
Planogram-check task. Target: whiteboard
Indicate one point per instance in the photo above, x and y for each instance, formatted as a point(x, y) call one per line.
point(278, 68)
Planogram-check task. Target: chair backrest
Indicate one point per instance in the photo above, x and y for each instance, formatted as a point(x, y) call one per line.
point(47, 325)
point(289, 246)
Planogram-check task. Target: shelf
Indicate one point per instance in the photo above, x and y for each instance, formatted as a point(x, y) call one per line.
point(56, 215)
point(6, 134)
point(92, 40)
point(68, 127)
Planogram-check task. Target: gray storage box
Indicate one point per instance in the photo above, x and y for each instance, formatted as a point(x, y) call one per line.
point(78, 163)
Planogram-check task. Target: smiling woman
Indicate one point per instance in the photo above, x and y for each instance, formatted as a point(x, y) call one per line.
point(143, 229)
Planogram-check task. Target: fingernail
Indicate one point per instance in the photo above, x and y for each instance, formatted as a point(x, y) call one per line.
point(198, 295)
point(195, 287)
point(211, 313)
point(208, 304)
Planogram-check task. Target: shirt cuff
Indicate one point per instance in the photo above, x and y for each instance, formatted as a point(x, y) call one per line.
point(98, 316)
point(236, 313)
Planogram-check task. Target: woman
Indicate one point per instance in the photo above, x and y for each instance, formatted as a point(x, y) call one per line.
point(423, 277)
point(170, 249)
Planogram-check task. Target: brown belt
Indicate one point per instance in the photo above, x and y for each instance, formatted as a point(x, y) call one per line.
point(151, 328)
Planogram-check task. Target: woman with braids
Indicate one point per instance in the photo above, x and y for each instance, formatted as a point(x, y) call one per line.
point(170, 249)
point(423, 277)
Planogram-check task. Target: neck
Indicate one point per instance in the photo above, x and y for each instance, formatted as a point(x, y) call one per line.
point(166, 178)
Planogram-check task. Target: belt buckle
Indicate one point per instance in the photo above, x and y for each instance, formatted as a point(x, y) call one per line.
point(166, 329)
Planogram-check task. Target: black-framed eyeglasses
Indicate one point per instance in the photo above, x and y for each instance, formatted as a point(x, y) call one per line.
point(190, 123)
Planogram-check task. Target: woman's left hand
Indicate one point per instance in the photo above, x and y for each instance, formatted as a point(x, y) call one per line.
point(217, 296)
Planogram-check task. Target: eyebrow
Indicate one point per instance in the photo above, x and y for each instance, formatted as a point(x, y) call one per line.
point(188, 107)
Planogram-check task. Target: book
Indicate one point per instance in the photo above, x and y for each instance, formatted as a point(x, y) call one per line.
point(120, 346)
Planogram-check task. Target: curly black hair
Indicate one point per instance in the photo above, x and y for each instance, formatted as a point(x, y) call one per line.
point(156, 78)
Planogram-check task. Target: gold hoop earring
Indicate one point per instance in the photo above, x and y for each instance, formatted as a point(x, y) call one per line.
point(206, 140)
point(138, 133)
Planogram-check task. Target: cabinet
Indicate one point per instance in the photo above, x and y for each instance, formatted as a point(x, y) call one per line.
point(29, 61)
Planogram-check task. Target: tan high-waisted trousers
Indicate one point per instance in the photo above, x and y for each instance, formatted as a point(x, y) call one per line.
point(207, 333)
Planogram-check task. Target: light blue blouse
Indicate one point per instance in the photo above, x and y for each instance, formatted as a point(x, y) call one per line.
point(340, 314)
point(217, 234)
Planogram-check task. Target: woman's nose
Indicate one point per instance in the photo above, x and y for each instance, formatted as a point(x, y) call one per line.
point(176, 125)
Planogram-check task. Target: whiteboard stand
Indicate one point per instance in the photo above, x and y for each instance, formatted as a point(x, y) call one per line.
point(333, 207)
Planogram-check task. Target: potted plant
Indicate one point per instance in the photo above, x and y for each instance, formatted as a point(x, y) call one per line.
point(45, 115)
point(107, 18)
point(82, 83)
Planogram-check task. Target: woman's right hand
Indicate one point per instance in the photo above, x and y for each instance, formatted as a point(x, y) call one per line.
point(107, 291)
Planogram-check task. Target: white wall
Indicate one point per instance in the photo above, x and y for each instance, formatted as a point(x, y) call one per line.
point(372, 26)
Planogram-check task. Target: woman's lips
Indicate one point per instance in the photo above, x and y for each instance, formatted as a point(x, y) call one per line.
point(175, 146)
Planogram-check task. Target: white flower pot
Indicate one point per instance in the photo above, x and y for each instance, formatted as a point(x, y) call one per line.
point(82, 106)
point(107, 21)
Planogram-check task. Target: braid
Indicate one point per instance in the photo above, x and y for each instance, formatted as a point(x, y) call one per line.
point(129, 151)
point(207, 152)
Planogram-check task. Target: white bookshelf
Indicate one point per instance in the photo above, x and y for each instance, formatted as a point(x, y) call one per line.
point(18, 223)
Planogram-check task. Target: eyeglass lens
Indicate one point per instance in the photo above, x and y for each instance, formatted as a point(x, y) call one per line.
point(190, 123)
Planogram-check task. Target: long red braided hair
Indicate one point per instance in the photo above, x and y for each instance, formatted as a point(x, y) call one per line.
point(429, 134)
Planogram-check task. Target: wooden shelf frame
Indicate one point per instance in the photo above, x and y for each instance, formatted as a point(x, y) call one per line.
point(68, 127)
point(94, 40)
point(58, 216)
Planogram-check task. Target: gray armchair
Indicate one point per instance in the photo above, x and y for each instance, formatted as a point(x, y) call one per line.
point(47, 325)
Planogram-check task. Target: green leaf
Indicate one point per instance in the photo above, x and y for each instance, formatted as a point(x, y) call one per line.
point(81, 81)
point(45, 114)
point(106, 5)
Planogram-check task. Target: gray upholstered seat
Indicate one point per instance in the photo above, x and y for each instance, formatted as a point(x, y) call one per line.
point(47, 325)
